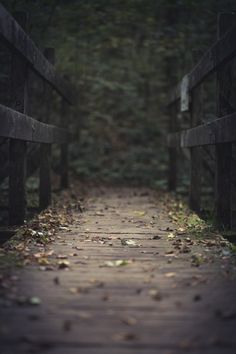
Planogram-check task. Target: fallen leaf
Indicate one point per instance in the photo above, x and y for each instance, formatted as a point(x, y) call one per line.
point(62, 256)
point(170, 252)
point(64, 228)
point(56, 280)
point(117, 263)
point(38, 255)
point(197, 260)
point(129, 243)
point(34, 300)
point(83, 315)
point(49, 253)
point(155, 294)
point(63, 264)
point(170, 275)
point(129, 336)
point(129, 321)
point(157, 237)
point(171, 236)
point(181, 231)
point(124, 336)
point(79, 290)
point(73, 290)
point(46, 268)
point(139, 213)
point(43, 261)
point(97, 284)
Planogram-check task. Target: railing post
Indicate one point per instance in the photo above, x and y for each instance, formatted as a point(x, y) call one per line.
point(64, 149)
point(45, 149)
point(172, 151)
point(223, 151)
point(195, 153)
point(17, 148)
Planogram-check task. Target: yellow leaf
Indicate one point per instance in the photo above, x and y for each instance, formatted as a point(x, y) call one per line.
point(139, 213)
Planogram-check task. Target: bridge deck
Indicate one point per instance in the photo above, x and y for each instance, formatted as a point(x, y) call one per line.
point(154, 300)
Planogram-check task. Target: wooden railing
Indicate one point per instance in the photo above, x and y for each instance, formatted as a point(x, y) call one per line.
point(18, 127)
point(220, 132)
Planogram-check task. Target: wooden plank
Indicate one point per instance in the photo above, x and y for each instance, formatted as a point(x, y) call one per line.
point(108, 349)
point(196, 154)
point(64, 150)
point(45, 149)
point(221, 130)
point(16, 125)
point(15, 37)
point(195, 179)
point(224, 151)
point(17, 148)
point(45, 176)
point(222, 51)
point(172, 151)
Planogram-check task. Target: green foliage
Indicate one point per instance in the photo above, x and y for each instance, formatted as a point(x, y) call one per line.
point(190, 222)
point(122, 56)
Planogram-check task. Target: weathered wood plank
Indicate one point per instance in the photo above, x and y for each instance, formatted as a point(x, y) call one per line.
point(17, 148)
point(172, 151)
point(64, 168)
point(224, 151)
point(45, 149)
point(45, 176)
point(223, 50)
point(16, 125)
point(106, 349)
point(221, 130)
point(195, 153)
point(18, 40)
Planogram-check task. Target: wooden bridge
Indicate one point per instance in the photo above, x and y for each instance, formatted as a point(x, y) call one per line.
point(117, 274)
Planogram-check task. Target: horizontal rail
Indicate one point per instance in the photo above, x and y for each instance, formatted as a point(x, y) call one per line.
point(17, 39)
point(19, 126)
point(222, 51)
point(221, 130)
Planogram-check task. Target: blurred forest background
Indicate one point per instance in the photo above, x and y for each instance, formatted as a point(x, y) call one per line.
point(122, 57)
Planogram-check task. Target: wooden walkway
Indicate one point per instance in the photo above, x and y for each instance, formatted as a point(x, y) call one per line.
point(128, 289)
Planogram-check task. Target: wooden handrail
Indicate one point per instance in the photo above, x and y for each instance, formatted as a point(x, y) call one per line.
point(19, 127)
point(219, 131)
point(221, 52)
point(16, 125)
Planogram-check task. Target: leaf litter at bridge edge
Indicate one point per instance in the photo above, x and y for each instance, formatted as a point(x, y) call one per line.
point(116, 263)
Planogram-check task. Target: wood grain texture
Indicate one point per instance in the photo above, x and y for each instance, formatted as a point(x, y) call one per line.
point(16, 125)
point(18, 148)
point(222, 130)
point(114, 309)
point(64, 153)
point(45, 149)
point(195, 153)
point(172, 151)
